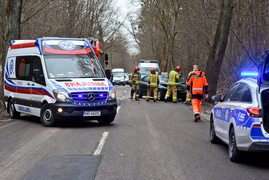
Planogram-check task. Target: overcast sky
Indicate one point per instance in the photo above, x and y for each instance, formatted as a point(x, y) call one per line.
point(125, 7)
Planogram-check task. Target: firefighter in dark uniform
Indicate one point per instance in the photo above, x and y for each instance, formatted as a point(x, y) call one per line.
point(135, 80)
point(198, 82)
point(173, 83)
point(153, 82)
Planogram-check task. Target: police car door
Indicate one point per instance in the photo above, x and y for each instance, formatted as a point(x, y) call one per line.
point(236, 112)
point(263, 83)
point(225, 109)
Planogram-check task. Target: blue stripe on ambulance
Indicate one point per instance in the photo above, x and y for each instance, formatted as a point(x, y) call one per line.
point(89, 88)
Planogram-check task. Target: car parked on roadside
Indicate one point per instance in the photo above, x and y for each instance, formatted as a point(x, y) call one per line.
point(127, 78)
point(162, 88)
point(241, 118)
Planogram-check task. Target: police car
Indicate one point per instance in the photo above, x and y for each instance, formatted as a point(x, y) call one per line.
point(57, 78)
point(241, 118)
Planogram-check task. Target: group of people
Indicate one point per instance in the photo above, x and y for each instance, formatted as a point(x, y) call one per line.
point(196, 86)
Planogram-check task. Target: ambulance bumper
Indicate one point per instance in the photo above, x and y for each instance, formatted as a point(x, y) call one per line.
point(76, 112)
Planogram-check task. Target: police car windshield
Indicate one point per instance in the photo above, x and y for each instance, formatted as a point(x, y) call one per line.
point(146, 70)
point(118, 74)
point(73, 66)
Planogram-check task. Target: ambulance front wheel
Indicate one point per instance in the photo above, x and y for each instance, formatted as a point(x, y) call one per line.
point(12, 111)
point(46, 116)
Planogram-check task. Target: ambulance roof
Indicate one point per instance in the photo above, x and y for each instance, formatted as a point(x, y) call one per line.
point(50, 45)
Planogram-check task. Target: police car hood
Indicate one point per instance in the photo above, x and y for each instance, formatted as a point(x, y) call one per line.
point(82, 85)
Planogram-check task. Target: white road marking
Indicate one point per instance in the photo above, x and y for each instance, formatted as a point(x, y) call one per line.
point(118, 109)
point(101, 144)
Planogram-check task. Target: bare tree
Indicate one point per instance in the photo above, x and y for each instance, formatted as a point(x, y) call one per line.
point(12, 20)
point(217, 52)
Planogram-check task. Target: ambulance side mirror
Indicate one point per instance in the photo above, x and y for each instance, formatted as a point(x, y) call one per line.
point(37, 77)
point(108, 73)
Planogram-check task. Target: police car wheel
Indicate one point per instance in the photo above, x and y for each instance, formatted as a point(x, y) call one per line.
point(234, 153)
point(12, 111)
point(46, 117)
point(106, 119)
point(213, 138)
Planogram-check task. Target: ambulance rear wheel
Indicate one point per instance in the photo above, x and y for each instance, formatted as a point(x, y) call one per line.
point(46, 116)
point(12, 111)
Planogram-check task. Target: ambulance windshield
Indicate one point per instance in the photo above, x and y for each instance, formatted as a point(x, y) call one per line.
point(73, 66)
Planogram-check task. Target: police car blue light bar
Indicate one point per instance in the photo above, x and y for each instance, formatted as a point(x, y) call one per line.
point(253, 74)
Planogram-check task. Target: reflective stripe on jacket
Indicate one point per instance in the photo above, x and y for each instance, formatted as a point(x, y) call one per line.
point(173, 78)
point(198, 82)
point(135, 78)
point(153, 80)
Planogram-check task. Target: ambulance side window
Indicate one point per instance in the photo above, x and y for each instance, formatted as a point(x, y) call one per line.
point(23, 67)
point(37, 66)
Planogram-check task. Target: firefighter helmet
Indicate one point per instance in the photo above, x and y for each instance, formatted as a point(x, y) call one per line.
point(152, 70)
point(137, 68)
point(178, 68)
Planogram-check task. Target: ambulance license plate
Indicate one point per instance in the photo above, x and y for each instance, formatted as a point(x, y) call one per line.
point(92, 113)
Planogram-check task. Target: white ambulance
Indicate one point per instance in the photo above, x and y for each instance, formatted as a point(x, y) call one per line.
point(57, 79)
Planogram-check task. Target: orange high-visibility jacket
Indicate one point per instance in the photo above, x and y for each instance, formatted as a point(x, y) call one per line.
point(199, 83)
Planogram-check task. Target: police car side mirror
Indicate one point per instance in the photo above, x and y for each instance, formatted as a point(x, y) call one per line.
point(217, 98)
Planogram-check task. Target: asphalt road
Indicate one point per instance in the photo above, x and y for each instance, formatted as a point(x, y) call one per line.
point(147, 140)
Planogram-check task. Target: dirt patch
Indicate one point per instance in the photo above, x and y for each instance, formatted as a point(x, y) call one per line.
point(4, 117)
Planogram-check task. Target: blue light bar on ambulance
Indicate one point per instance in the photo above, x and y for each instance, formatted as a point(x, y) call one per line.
point(253, 74)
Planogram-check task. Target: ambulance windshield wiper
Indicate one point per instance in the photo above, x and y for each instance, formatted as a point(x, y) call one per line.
point(63, 79)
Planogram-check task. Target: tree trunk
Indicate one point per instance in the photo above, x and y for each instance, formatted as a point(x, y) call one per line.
point(13, 11)
point(13, 14)
point(217, 52)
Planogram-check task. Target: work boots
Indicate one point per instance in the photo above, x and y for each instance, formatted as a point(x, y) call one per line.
point(196, 117)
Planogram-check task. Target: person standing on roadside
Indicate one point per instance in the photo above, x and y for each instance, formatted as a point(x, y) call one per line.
point(153, 82)
point(135, 80)
point(197, 84)
point(173, 82)
point(188, 96)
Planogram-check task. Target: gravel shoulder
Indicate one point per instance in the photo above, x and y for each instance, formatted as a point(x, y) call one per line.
point(4, 117)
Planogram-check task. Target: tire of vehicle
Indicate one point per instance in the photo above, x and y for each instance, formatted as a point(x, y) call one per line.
point(213, 138)
point(106, 119)
point(183, 98)
point(46, 116)
point(13, 114)
point(234, 153)
point(160, 95)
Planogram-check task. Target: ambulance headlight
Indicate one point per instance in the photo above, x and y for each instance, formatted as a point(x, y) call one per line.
point(112, 94)
point(61, 95)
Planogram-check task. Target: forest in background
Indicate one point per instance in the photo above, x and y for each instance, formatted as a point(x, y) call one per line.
point(174, 32)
